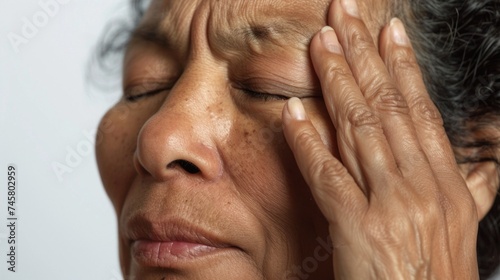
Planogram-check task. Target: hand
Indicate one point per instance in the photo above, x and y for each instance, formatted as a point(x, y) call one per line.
point(395, 201)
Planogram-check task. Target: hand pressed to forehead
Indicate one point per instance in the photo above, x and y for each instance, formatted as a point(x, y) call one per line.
point(396, 181)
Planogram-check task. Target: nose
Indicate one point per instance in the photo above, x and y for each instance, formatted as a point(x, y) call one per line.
point(179, 139)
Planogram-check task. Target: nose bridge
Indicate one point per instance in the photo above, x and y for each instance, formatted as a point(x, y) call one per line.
point(181, 137)
point(199, 101)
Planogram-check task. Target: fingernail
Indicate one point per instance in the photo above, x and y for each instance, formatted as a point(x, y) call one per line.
point(398, 33)
point(296, 109)
point(330, 40)
point(351, 7)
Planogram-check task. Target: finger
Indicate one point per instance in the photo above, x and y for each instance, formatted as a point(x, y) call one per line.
point(362, 145)
point(400, 59)
point(333, 188)
point(377, 85)
point(401, 62)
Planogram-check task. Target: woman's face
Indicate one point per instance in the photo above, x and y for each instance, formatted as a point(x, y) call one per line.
point(193, 156)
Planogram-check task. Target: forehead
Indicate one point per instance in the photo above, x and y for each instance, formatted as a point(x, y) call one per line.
point(229, 22)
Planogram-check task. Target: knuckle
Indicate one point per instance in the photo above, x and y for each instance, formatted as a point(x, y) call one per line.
point(330, 170)
point(336, 72)
point(388, 99)
point(320, 166)
point(360, 116)
point(306, 139)
point(404, 62)
point(358, 41)
point(327, 175)
point(426, 111)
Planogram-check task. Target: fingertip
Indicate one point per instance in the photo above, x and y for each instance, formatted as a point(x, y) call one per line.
point(398, 33)
point(394, 34)
point(294, 110)
point(324, 47)
point(315, 45)
point(394, 42)
point(330, 40)
point(294, 117)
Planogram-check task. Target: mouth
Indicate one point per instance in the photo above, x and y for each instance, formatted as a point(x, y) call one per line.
point(172, 243)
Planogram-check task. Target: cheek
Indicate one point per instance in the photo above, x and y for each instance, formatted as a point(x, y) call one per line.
point(254, 155)
point(267, 178)
point(115, 147)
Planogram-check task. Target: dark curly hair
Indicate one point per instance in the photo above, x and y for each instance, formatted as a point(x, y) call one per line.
point(458, 48)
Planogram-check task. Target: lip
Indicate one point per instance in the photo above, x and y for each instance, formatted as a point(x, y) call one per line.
point(172, 242)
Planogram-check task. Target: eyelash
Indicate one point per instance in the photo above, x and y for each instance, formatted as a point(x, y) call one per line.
point(263, 96)
point(136, 97)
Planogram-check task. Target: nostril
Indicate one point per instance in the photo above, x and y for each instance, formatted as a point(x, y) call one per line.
point(186, 165)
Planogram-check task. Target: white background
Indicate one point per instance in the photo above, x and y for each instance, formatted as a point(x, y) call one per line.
point(66, 228)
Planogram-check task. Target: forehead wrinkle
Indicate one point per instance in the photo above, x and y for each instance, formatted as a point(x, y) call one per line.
point(165, 24)
point(235, 26)
point(248, 25)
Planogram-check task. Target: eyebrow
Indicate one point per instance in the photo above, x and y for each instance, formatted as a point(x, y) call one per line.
point(150, 33)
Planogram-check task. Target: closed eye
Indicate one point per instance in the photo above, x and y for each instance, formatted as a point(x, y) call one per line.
point(263, 96)
point(134, 97)
point(139, 96)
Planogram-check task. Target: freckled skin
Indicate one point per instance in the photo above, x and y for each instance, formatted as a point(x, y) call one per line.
point(249, 189)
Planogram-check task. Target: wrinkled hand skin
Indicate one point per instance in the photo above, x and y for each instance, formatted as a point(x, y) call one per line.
point(395, 201)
